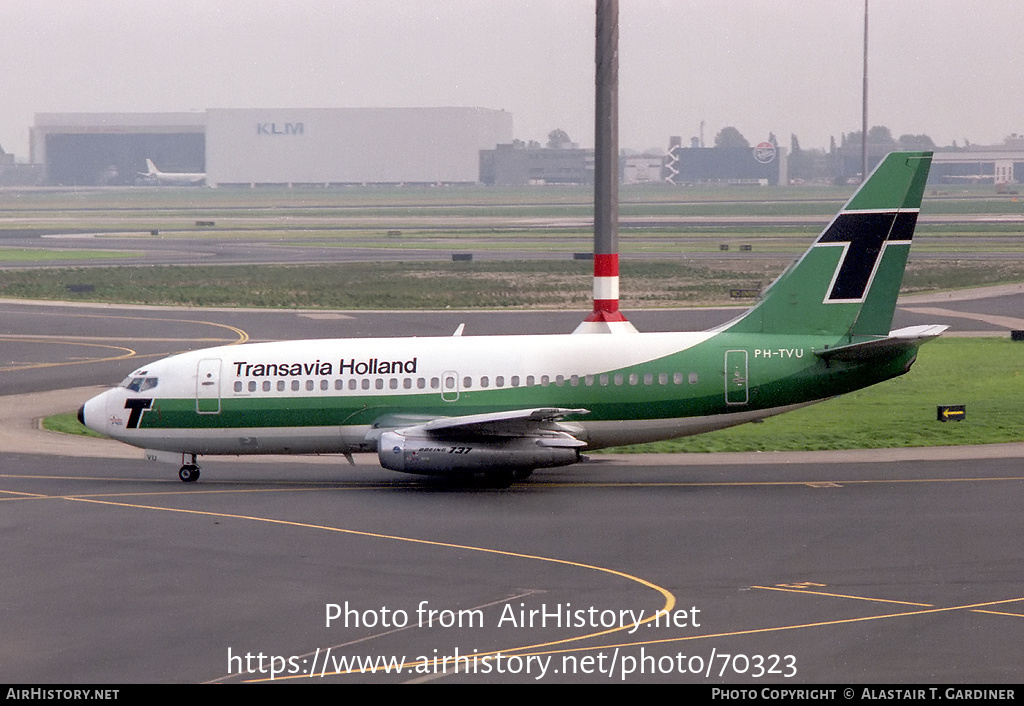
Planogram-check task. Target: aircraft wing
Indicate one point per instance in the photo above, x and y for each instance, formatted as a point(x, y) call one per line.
point(518, 422)
point(539, 423)
point(901, 339)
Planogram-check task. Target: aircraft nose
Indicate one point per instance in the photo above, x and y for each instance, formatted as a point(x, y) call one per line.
point(91, 413)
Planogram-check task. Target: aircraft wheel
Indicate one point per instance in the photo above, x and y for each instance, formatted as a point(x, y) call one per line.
point(189, 473)
point(500, 479)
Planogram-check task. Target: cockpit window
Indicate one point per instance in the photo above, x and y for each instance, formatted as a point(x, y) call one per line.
point(138, 384)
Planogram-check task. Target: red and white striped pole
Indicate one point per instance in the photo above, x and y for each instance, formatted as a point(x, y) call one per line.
point(606, 290)
point(606, 318)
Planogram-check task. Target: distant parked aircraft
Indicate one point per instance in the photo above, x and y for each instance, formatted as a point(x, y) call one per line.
point(171, 177)
point(971, 177)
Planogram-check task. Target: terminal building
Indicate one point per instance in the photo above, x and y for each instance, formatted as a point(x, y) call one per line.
point(992, 165)
point(339, 146)
point(973, 164)
point(254, 147)
point(514, 165)
point(519, 165)
point(764, 164)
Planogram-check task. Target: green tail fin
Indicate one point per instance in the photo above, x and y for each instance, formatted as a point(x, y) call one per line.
point(847, 282)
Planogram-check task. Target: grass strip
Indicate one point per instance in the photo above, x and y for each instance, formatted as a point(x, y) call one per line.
point(35, 255)
point(67, 423)
point(437, 285)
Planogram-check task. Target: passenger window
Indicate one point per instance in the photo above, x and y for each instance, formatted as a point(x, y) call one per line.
point(366, 383)
point(266, 385)
point(379, 383)
point(325, 384)
point(484, 382)
point(295, 385)
point(352, 383)
point(515, 381)
point(467, 382)
point(662, 378)
point(499, 381)
point(280, 385)
point(648, 378)
point(693, 378)
point(393, 383)
point(252, 386)
point(238, 385)
point(618, 379)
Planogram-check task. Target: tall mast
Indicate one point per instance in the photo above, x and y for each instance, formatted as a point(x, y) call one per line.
point(606, 318)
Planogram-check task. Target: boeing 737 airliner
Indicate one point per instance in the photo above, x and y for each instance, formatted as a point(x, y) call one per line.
point(503, 406)
point(159, 177)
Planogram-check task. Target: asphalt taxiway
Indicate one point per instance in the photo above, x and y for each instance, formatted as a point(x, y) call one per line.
point(898, 566)
point(771, 573)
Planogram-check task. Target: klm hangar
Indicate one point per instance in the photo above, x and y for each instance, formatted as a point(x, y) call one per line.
point(260, 147)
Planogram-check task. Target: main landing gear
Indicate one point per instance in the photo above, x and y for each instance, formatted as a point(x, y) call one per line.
point(505, 479)
point(189, 472)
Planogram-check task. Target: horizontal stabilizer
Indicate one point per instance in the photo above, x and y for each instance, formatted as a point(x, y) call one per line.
point(901, 339)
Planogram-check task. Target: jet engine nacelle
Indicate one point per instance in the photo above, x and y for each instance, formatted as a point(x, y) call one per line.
point(427, 455)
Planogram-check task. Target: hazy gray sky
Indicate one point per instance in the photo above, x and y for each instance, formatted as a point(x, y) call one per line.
point(948, 68)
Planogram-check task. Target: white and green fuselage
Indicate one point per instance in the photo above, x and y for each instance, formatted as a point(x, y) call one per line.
point(466, 404)
point(326, 396)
